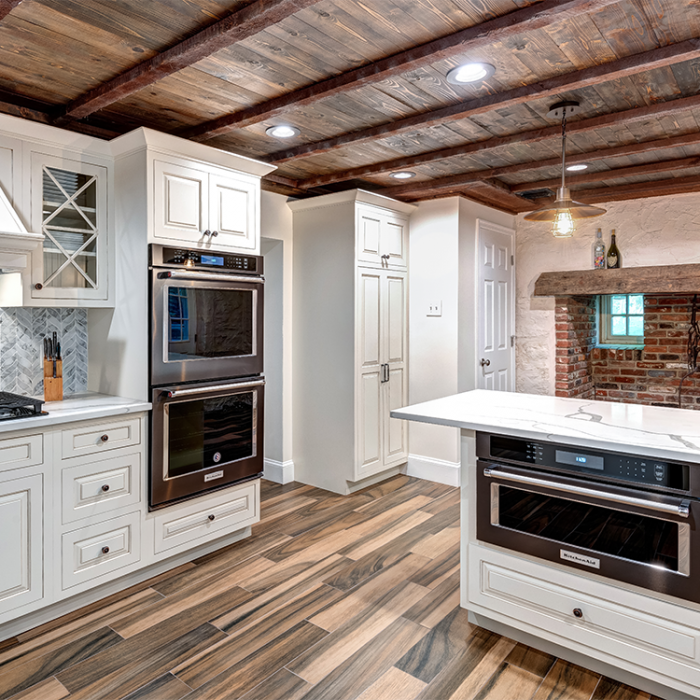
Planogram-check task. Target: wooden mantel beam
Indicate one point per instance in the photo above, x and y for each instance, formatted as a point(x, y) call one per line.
point(661, 279)
point(6, 6)
point(473, 38)
point(239, 25)
point(586, 77)
point(628, 116)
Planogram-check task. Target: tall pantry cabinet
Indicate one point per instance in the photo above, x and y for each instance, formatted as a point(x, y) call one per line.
point(350, 338)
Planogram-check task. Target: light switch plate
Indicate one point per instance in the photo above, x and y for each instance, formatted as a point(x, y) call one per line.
point(435, 308)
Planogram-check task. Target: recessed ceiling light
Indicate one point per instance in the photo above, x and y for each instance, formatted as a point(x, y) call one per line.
point(576, 167)
point(470, 73)
point(403, 175)
point(282, 131)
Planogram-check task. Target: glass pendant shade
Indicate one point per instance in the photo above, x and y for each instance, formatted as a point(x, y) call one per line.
point(563, 226)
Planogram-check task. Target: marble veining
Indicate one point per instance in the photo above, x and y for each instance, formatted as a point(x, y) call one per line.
point(668, 433)
point(21, 346)
point(79, 407)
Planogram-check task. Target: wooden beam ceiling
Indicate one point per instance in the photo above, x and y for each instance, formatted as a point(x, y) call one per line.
point(583, 125)
point(470, 39)
point(587, 77)
point(239, 25)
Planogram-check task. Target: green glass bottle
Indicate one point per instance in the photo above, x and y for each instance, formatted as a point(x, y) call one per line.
point(614, 261)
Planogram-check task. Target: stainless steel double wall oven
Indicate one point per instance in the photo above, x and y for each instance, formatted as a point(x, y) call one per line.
point(206, 368)
point(622, 516)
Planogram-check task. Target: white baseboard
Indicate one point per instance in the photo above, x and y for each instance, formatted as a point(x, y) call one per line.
point(279, 472)
point(438, 470)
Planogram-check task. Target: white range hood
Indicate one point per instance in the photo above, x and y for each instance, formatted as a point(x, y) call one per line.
point(16, 243)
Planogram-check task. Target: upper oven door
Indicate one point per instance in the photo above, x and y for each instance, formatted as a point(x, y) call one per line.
point(640, 537)
point(205, 326)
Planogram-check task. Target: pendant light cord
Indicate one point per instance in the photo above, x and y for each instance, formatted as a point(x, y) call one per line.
point(563, 148)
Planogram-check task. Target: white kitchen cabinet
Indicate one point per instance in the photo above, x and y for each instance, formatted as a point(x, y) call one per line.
point(350, 348)
point(21, 541)
point(187, 194)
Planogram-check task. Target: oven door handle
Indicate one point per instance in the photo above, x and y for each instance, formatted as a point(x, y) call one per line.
point(208, 277)
point(682, 509)
point(175, 393)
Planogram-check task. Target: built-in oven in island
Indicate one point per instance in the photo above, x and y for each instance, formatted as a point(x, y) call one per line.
point(622, 516)
point(207, 386)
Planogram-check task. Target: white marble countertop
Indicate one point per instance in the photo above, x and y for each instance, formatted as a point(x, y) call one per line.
point(666, 433)
point(77, 407)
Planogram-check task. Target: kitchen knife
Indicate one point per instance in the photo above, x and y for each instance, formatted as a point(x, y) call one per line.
point(53, 348)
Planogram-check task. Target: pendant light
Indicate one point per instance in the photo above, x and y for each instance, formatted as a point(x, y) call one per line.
point(564, 211)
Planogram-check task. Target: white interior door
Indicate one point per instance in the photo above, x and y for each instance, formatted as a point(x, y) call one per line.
point(495, 351)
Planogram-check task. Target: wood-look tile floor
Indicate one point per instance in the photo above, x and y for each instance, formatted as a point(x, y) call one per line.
point(332, 598)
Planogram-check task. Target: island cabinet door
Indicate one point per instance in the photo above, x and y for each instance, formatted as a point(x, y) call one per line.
point(21, 542)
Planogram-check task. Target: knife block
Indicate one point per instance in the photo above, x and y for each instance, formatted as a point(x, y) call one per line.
point(53, 386)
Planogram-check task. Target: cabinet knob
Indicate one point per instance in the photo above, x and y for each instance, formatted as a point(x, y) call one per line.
point(104, 437)
point(207, 233)
point(211, 517)
point(105, 550)
point(105, 487)
point(38, 285)
point(578, 612)
point(214, 233)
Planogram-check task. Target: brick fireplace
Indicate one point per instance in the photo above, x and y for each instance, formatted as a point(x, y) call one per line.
point(648, 375)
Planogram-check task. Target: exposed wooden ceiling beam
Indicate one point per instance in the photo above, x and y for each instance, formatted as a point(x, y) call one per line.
point(239, 25)
point(640, 190)
point(532, 136)
point(587, 77)
point(6, 6)
point(470, 39)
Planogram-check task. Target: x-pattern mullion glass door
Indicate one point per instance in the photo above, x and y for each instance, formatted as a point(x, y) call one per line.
point(70, 209)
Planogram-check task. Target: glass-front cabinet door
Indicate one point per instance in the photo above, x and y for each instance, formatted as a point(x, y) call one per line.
point(69, 206)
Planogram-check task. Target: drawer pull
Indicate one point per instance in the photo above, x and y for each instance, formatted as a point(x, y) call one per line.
point(578, 613)
point(211, 517)
point(105, 488)
point(104, 437)
point(105, 550)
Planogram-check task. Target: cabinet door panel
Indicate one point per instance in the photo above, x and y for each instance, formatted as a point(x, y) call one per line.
point(369, 424)
point(21, 544)
point(394, 308)
point(181, 202)
point(394, 241)
point(395, 431)
point(369, 237)
point(370, 318)
point(232, 212)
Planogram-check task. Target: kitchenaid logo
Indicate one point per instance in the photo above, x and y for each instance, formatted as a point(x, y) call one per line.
point(213, 475)
point(579, 559)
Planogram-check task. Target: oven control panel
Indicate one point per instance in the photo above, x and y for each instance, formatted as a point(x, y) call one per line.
point(613, 465)
point(206, 260)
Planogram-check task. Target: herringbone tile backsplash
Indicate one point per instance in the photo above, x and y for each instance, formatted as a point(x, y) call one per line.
point(21, 348)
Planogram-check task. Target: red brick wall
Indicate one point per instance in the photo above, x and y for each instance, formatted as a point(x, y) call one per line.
point(648, 376)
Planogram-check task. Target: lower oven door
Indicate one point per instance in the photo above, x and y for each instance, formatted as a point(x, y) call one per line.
point(205, 437)
point(640, 537)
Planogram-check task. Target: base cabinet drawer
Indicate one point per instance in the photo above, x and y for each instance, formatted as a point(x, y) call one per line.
point(100, 551)
point(202, 520)
point(27, 451)
point(100, 487)
point(98, 438)
point(643, 631)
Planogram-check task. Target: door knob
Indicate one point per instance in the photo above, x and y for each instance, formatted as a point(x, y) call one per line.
point(485, 363)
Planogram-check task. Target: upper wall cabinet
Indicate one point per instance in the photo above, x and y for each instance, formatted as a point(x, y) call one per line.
point(185, 193)
point(382, 237)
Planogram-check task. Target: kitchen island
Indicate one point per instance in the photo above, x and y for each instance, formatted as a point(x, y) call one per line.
point(576, 606)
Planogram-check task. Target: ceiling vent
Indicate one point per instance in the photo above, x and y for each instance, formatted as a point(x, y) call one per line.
point(16, 243)
point(542, 193)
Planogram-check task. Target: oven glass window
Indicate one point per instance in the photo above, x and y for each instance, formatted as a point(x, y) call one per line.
point(210, 432)
point(209, 323)
point(637, 537)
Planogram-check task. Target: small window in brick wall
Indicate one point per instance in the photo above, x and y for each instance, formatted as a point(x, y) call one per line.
point(621, 319)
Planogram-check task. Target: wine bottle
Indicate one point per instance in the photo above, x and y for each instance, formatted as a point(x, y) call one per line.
point(614, 259)
point(599, 251)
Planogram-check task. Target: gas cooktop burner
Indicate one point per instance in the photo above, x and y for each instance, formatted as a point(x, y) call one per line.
point(14, 406)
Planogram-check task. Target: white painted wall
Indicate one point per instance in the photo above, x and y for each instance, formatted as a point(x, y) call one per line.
point(655, 231)
point(276, 247)
point(442, 352)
